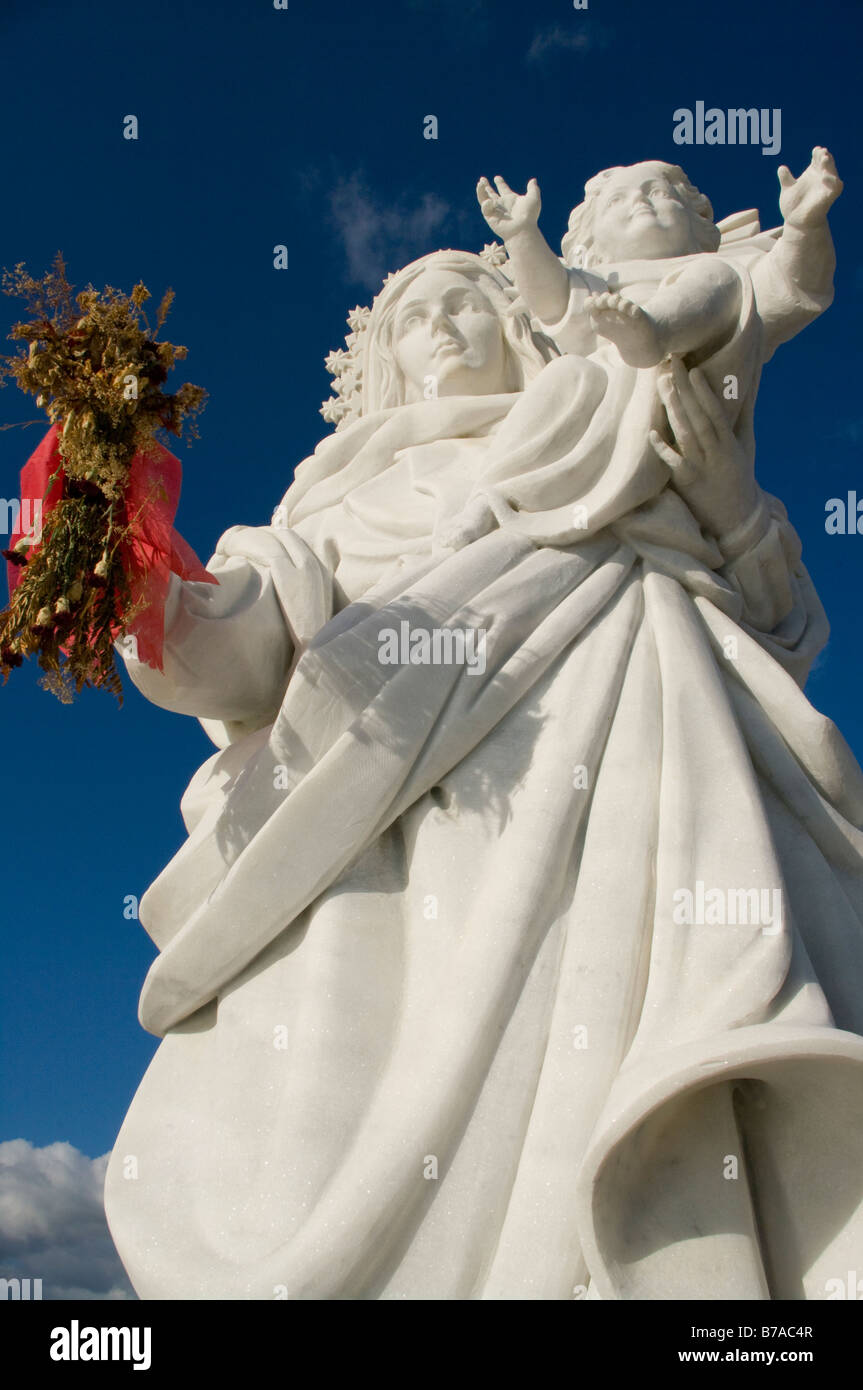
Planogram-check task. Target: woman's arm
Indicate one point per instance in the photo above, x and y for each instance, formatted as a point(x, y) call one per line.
point(229, 647)
point(715, 476)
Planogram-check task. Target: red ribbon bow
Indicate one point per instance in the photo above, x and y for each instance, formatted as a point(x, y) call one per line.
point(154, 550)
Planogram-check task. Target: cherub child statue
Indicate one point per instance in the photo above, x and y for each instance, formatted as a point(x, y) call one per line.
point(647, 275)
point(640, 267)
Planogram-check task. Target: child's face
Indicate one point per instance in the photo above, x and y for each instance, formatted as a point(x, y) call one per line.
point(640, 216)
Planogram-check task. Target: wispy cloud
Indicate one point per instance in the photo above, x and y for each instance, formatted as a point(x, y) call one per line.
point(379, 236)
point(850, 431)
point(52, 1222)
point(555, 40)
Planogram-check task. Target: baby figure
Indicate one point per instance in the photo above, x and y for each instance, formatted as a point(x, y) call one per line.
point(647, 275)
point(640, 268)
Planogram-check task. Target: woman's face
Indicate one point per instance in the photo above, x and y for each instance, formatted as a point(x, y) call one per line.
point(640, 214)
point(448, 339)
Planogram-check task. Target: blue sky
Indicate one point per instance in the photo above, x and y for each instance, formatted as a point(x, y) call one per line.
point(305, 127)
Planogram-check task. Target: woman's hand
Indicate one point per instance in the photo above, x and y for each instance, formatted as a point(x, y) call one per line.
point(710, 469)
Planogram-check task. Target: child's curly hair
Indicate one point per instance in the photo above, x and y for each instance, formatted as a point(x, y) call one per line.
point(579, 245)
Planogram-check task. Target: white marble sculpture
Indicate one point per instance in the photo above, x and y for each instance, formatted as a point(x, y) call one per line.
point(516, 950)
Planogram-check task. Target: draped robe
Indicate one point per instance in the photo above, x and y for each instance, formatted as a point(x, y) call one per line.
point(432, 1025)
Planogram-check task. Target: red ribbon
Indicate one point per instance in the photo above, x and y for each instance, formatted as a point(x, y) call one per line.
point(154, 550)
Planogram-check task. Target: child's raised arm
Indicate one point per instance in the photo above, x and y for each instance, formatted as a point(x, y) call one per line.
point(794, 281)
point(540, 277)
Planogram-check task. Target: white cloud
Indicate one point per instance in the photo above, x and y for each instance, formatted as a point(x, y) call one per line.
point(52, 1222)
point(554, 39)
point(382, 236)
point(849, 430)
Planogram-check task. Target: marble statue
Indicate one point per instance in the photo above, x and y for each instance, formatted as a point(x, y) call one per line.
point(516, 949)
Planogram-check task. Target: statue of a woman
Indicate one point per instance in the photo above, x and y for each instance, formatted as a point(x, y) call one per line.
point(516, 949)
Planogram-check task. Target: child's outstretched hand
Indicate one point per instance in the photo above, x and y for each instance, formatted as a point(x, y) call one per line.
point(506, 212)
point(804, 202)
point(628, 326)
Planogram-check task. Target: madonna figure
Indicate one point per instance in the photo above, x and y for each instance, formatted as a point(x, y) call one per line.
point(515, 951)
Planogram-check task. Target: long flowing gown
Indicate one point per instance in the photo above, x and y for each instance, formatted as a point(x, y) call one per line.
point(432, 1025)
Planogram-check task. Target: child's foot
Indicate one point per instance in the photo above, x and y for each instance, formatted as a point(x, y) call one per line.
point(626, 325)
